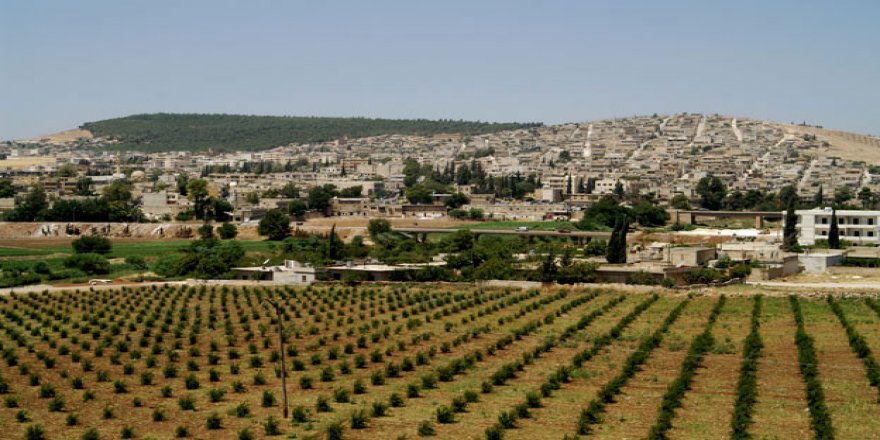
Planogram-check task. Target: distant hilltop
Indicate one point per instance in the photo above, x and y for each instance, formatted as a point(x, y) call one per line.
point(221, 132)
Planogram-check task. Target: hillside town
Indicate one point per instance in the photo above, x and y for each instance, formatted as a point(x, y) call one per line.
point(529, 174)
point(698, 191)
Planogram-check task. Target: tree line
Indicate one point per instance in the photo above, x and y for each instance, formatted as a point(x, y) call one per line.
point(222, 132)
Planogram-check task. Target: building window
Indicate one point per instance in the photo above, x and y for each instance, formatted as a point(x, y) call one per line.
point(871, 221)
point(824, 233)
point(870, 233)
point(824, 220)
point(855, 221)
point(855, 233)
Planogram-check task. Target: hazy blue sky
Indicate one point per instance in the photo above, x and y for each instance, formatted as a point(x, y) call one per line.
point(66, 62)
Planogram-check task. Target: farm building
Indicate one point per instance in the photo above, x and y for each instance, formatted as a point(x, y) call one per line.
point(292, 272)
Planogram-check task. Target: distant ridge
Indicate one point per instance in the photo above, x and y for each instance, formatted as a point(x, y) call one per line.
point(221, 132)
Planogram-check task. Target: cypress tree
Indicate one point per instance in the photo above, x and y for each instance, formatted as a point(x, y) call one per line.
point(790, 234)
point(819, 197)
point(834, 232)
point(616, 253)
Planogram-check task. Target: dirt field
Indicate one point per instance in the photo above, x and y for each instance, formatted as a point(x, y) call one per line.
point(382, 362)
point(17, 163)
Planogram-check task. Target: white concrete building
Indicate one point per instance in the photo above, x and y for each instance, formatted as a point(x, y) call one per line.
point(292, 272)
point(861, 227)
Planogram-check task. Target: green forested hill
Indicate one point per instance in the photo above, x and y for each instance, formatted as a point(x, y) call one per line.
point(196, 132)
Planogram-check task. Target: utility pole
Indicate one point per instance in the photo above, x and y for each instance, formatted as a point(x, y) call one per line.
point(277, 308)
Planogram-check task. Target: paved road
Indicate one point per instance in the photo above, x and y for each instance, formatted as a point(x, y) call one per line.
point(859, 286)
point(45, 287)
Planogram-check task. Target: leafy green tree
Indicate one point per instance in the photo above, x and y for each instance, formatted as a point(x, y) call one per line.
point(580, 272)
point(596, 248)
point(457, 201)
point(92, 244)
point(680, 201)
point(206, 231)
point(616, 252)
point(32, 206)
point(66, 171)
point(411, 172)
point(549, 269)
point(84, 187)
point(476, 214)
point(712, 192)
point(289, 191)
point(842, 195)
point(604, 213)
point(227, 231)
point(619, 191)
point(297, 208)
point(320, 197)
point(834, 231)
point(352, 191)
point(197, 193)
point(6, 189)
point(459, 241)
point(275, 225)
point(494, 269)
point(788, 195)
point(91, 264)
point(648, 214)
point(419, 194)
point(377, 227)
point(458, 214)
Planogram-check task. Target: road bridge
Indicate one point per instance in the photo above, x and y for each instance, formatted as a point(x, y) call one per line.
point(690, 216)
point(578, 236)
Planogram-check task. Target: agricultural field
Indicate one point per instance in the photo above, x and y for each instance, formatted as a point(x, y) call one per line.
point(435, 361)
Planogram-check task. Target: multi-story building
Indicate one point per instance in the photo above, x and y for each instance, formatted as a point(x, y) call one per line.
point(862, 227)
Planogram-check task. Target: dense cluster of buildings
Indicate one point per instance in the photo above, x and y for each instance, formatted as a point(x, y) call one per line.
point(574, 163)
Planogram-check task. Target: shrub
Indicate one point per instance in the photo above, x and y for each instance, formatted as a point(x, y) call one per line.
point(158, 415)
point(378, 409)
point(91, 244)
point(91, 264)
point(426, 429)
point(358, 419)
point(299, 414)
point(271, 427)
point(334, 431)
point(91, 434)
point(187, 403)
point(214, 421)
point(245, 434)
point(322, 405)
point(127, 432)
point(181, 432)
point(136, 262)
point(191, 382)
point(741, 271)
point(227, 231)
point(269, 399)
point(445, 414)
point(216, 394)
point(35, 432)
